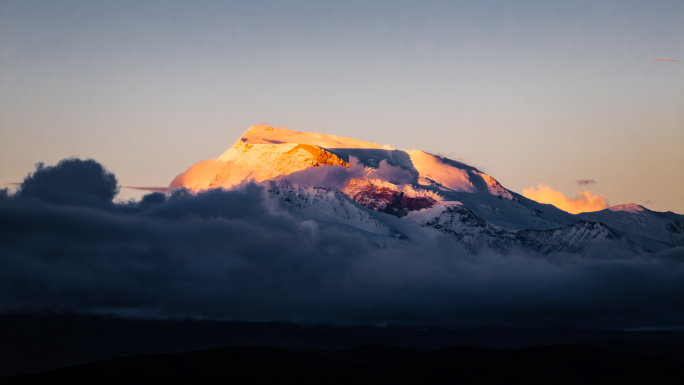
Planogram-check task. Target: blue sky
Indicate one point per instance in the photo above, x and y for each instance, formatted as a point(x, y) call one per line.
point(529, 92)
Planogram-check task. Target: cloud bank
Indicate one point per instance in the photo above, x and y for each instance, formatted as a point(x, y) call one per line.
point(230, 255)
point(584, 202)
point(70, 182)
point(584, 182)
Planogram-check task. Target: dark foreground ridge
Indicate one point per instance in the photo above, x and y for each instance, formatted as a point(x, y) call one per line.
point(373, 364)
point(93, 349)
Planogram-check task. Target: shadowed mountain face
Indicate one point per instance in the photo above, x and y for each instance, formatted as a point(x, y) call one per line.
point(638, 222)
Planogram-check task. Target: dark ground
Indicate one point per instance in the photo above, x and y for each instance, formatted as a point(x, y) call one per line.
point(88, 349)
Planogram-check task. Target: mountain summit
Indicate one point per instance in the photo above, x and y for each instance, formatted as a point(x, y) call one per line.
point(407, 195)
point(265, 153)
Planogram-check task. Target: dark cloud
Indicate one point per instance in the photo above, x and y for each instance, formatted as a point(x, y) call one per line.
point(584, 182)
point(72, 182)
point(648, 202)
point(230, 255)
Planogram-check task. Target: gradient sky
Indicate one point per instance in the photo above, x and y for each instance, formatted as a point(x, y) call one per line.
point(529, 91)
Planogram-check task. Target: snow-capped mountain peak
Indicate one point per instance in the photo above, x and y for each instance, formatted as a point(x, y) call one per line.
point(628, 207)
point(265, 153)
point(265, 134)
point(381, 190)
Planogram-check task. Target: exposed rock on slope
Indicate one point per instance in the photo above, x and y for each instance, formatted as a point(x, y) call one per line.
point(388, 198)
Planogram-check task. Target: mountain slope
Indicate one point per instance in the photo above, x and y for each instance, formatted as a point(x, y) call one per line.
point(639, 222)
point(326, 205)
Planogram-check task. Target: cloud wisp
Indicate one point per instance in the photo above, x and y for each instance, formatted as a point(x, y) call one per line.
point(584, 202)
point(150, 188)
point(664, 60)
point(585, 182)
point(229, 255)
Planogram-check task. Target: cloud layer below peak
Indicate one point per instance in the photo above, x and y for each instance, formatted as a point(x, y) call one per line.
point(233, 255)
